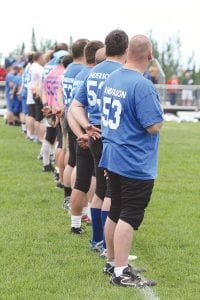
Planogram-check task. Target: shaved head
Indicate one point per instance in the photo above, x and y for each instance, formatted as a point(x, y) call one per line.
point(100, 55)
point(140, 48)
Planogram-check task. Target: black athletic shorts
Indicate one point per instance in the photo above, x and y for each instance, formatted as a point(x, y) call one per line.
point(50, 135)
point(72, 147)
point(84, 169)
point(102, 184)
point(129, 198)
point(38, 110)
point(31, 110)
point(59, 136)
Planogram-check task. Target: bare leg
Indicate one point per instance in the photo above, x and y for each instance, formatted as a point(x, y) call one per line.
point(109, 235)
point(67, 176)
point(77, 202)
point(122, 243)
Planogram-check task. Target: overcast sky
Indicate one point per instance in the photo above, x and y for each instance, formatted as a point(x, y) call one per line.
point(94, 19)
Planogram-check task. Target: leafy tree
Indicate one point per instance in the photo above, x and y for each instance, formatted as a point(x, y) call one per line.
point(169, 56)
point(46, 44)
point(22, 49)
point(33, 41)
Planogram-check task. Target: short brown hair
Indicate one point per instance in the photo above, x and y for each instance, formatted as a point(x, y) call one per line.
point(78, 48)
point(91, 49)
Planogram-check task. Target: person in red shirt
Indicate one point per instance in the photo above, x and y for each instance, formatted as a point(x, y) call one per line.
point(2, 78)
point(2, 73)
point(173, 90)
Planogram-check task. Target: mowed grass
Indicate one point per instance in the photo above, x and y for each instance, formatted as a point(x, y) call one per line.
point(40, 259)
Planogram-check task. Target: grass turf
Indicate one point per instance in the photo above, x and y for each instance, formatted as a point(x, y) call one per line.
point(40, 259)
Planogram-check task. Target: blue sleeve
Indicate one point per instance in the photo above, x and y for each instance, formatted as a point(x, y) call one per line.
point(81, 94)
point(148, 108)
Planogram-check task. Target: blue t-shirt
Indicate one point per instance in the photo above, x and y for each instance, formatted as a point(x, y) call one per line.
point(9, 79)
point(79, 79)
point(89, 90)
point(67, 82)
point(130, 105)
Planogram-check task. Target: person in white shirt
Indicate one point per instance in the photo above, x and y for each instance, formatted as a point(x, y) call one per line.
point(34, 97)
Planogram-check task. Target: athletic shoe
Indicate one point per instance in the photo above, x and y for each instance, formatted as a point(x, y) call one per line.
point(77, 230)
point(66, 203)
point(56, 176)
point(60, 185)
point(103, 253)
point(108, 269)
point(96, 246)
point(130, 279)
point(48, 168)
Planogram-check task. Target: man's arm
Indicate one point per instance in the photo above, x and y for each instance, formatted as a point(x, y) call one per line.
point(79, 113)
point(82, 138)
point(74, 125)
point(154, 128)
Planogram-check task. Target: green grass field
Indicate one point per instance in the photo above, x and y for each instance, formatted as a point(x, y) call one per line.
point(40, 259)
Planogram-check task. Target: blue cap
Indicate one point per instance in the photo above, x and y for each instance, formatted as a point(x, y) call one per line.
point(60, 54)
point(17, 65)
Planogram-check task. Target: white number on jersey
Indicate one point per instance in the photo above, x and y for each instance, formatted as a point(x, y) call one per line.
point(117, 108)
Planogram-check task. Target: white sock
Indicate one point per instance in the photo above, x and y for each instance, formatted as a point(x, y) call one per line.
point(119, 270)
point(41, 150)
point(85, 211)
point(23, 125)
point(57, 169)
point(28, 133)
point(89, 211)
point(76, 221)
point(46, 153)
point(111, 262)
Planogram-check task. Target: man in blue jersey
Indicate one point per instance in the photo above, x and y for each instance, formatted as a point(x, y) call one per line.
point(116, 44)
point(24, 89)
point(84, 160)
point(8, 92)
point(67, 83)
point(131, 120)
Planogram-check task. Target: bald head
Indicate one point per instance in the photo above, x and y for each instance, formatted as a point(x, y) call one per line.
point(140, 48)
point(100, 55)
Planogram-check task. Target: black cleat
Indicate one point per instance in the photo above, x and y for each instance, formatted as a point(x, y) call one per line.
point(60, 185)
point(67, 204)
point(108, 269)
point(77, 230)
point(130, 279)
point(48, 168)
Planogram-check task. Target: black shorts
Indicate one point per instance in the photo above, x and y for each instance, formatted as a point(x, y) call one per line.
point(31, 110)
point(59, 136)
point(50, 135)
point(102, 184)
point(84, 169)
point(72, 147)
point(129, 198)
point(38, 110)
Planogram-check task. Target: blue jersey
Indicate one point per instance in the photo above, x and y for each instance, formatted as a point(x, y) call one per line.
point(67, 82)
point(79, 79)
point(89, 90)
point(9, 79)
point(130, 105)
